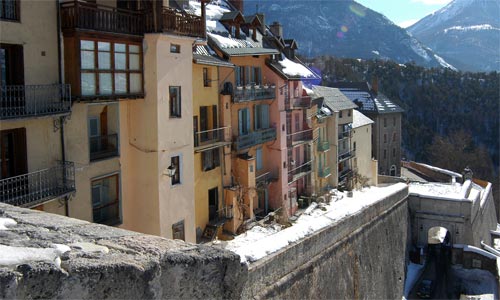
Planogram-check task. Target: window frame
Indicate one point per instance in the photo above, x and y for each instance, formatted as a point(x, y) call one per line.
point(259, 163)
point(17, 11)
point(175, 110)
point(210, 159)
point(206, 78)
point(119, 218)
point(176, 179)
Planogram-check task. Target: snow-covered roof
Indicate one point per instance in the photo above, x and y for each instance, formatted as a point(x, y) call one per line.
point(204, 55)
point(291, 69)
point(260, 242)
point(468, 191)
point(358, 119)
point(334, 99)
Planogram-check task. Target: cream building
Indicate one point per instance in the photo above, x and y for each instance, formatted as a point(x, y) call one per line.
point(363, 163)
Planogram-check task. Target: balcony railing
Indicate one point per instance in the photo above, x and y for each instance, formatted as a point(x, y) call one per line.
point(179, 22)
point(267, 177)
point(91, 16)
point(301, 137)
point(347, 155)
point(344, 134)
point(323, 146)
point(324, 172)
point(32, 189)
point(103, 146)
point(255, 138)
point(208, 138)
point(254, 92)
point(344, 174)
point(23, 101)
point(299, 172)
point(298, 102)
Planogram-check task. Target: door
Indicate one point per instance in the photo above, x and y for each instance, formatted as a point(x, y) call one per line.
point(13, 154)
point(213, 203)
point(11, 73)
point(94, 135)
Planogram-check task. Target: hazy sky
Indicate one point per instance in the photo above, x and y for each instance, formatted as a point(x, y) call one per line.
point(404, 12)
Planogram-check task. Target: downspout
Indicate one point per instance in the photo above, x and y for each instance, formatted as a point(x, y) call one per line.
point(223, 154)
point(61, 119)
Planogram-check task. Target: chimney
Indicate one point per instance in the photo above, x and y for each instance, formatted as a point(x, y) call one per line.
point(375, 85)
point(276, 29)
point(204, 17)
point(238, 4)
point(263, 21)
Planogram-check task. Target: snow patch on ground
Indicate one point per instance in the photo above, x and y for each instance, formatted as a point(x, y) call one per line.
point(434, 189)
point(476, 282)
point(413, 272)
point(295, 69)
point(6, 222)
point(375, 52)
point(259, 242)
point(419, 50)
point(471, 28)
point(14, 256)
point(443, 63)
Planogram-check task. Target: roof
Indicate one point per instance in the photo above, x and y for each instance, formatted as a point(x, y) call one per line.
point(231, 16)
point(358, 119)
point(240, 46)
point(361, 94)
point(204, 55)
point(291, 69)
point(334, 99)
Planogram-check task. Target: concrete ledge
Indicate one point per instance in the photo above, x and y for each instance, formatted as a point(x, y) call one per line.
point(107, 262)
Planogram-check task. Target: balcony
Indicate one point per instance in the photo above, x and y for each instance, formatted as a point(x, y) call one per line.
point(323, 146)
point(32, 189)
point(344, 134)
point(347, 155)
point(25, 101)
point(254, 92)
point(267, 177)
point(324, 172)
point(299, 172)
point(209, 139)
point(298, 102)
point(255, 138)
point(103, 146)
point(344, 174)
point(90, 16)
point(301, 137)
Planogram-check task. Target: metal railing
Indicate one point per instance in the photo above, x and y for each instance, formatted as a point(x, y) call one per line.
point(181, 23)
point(298, 102)
point(267, 176)
point(91, 16)
point(299, 137)
point(32, 189)
point(255, 138)
point(323, 146)
point(23, 101)
point(254, 92)
point(344, 174)
point(103, 146)
point(324, 172)
point(299, 172)
point(344, 134)
point(226, 212)
point(211, 136)
point(346, 155)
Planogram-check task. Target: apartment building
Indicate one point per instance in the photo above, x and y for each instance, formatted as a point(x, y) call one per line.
point(34, 108)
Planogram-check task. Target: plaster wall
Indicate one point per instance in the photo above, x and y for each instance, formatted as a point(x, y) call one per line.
point(363, 160)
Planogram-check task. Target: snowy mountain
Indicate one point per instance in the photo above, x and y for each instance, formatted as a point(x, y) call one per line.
point(466, 33)
point(344, 28)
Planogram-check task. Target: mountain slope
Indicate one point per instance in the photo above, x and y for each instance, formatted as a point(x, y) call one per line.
point(344, 28)
point(465, 32)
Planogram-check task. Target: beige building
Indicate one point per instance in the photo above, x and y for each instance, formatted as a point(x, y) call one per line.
point(363, 163)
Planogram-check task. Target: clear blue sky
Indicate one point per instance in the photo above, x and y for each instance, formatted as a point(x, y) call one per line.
point(404, 12)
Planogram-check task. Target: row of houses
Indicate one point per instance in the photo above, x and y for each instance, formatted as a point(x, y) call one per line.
point(182, 119)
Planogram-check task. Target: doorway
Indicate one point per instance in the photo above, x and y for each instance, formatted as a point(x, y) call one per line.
point(213, 203)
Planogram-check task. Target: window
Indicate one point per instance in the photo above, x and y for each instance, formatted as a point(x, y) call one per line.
point(258, 158)
point(106, 200)
point(340, 114)
point(394, 137)
point(210, 159)
point(178, 231)
point(354, 146)
point(9, 10)
point(175, 101)
point(174, 48)
point(385, 138)
point(261, 115)
point(11, 68)
point(394, 121)
point(206, 79)
point(393, 152)
point(385, 153)
point(244, 121)
point(241, 75)
point(208, 122)
point(175, 161)
point(385, 122)
point(246, 75)
point(349, 113)
point(255, 76)
point(109, 68)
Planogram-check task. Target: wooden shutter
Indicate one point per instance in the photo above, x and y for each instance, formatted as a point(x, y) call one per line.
point(240, 121)
point(247, 116)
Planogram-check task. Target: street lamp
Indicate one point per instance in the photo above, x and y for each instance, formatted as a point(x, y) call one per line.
point(170, 171)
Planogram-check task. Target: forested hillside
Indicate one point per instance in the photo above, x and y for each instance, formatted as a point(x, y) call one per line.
point(451, 119)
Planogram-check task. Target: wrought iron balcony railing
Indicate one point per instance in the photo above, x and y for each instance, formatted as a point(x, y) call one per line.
point(346, 155)
point(255, 138)
point(344, 174)
point(298, 102)
point(344, 134)
point(24, 101)
point(323, 146)
point(267, 177)
point(301, 137)
point(299, 172)
point(35, 188)
point(91, 16)
point(254, 92)
point(103, 146)
point(208, 138)
point(324, 172)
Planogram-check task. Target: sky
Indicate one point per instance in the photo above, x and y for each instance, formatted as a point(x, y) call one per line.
point(404, 12)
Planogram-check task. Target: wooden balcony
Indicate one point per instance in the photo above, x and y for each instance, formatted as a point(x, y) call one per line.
point(298, 138)
point(25, 101)
point(255, 138)
point(80, 15)
point(295, 173)
point(35, 188)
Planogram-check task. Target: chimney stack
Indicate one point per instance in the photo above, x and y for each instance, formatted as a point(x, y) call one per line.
point(238, 4)
point(375, 85)
point(276, 29)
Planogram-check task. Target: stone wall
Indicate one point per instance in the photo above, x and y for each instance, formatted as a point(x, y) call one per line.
point(362, 256)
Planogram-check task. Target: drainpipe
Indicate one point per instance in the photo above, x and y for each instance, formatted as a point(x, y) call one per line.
point(223, 154)
point(61, 119)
